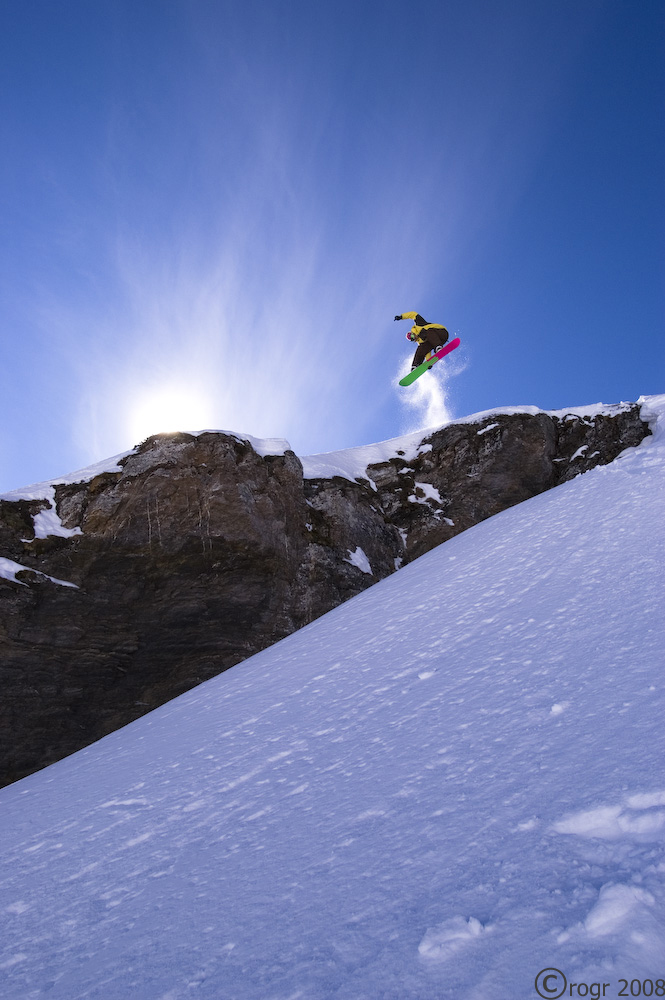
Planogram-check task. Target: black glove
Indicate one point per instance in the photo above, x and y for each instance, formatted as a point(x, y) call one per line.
point(398, 317)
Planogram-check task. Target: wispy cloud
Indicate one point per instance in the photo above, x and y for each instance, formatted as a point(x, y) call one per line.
point(258, 247)
point(270, 312)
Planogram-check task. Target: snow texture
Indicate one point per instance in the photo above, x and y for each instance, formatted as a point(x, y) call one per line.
point(47, 522)
point(359, 559)
point(433, 792)
point(424, 493)
point(262, 446)
point(45, 491)
point(352, 463)
point(9, 569)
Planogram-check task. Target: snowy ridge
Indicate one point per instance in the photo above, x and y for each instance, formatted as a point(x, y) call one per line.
point(349, 463)
point(352, 463)
point(44, 491)
point(449, 783)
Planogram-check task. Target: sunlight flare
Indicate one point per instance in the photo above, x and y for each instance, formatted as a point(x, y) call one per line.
point(169, 409)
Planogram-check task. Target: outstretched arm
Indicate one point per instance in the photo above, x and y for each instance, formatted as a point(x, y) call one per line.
point(414, 316)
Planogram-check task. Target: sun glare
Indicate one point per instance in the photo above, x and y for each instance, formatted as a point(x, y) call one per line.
point(166, 410)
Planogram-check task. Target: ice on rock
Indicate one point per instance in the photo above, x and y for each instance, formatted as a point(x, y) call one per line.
point(360, 560)
point(47, 522)
point(424, 492)
point(10, 569)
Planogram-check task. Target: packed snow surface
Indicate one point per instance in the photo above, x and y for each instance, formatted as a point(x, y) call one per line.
point(441, 788)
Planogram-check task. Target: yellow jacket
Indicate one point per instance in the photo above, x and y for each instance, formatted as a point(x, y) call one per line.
point(419, 324)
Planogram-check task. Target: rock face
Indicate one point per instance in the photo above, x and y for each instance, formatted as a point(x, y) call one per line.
point(199, 552)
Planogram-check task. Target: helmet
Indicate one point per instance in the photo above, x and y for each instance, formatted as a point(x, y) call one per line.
point(408, 335)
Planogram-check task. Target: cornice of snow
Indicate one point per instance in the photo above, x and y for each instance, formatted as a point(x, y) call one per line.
point(348, 463)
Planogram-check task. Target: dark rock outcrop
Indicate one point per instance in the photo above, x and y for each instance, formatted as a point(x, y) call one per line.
point(201, 552)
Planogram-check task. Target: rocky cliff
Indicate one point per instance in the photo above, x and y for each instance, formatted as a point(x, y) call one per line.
point(122, 588)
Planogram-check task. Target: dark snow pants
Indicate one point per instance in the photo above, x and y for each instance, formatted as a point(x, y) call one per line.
point(434, 339)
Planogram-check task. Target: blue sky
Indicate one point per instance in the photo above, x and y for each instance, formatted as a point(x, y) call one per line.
point(213, 210)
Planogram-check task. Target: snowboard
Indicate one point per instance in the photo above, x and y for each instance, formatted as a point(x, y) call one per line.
point(426, 365)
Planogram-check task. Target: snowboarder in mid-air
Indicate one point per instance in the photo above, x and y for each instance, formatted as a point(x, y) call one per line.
point(428, 336)
point(432, 341)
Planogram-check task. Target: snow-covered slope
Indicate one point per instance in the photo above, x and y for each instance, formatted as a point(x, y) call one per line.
point(444, 786)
